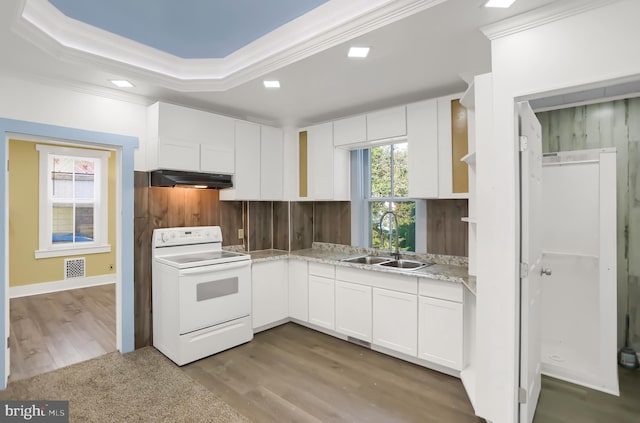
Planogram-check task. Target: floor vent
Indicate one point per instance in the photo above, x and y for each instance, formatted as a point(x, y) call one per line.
point(74, 268)
point(359, 342)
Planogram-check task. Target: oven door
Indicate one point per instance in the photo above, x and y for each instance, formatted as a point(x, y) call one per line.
point(214, 294)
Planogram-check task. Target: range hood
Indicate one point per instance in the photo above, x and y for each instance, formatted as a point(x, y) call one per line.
point(172, 178)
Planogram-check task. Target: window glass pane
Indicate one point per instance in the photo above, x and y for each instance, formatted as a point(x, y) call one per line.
point(400, 173)
point(406, 212)
point(84, 223)
point(381, 171)
point(62, 187)
point(376, 209)
point(62, 220)
point(84, 186)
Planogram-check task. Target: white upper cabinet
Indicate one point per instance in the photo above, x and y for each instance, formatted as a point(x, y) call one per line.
point(327, 175)
point(351, 130)
point(259, 164)
point(388, 123)
point(246, 185)
point(217, 154)
point(271, 164)
point(422, 135)
point(185, 139)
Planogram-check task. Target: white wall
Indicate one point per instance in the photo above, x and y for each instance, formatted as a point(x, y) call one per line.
point(589, 48)
point(63, 106)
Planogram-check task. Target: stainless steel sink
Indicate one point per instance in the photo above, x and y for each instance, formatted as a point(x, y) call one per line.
point(404, 264)
point(368, 260)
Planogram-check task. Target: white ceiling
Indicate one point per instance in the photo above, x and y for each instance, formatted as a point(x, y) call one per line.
point(418, 57)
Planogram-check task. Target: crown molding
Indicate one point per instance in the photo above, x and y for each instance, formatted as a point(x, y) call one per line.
point(330, 24)
point(541, 16)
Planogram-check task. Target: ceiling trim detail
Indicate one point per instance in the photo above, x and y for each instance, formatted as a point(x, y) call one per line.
point(541, 16)
point(326, 26)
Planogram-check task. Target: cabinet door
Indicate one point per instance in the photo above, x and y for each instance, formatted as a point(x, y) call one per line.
point(353, 310)
point(387, 123)
point(298, 290)
point(217, 152)
point(247, 177)
point(322, 302)
point(350, 131)
point(395, 321)
point(422, 131)
point(271, 164)
point(270, 292)
point(320, 161)
point(440, 332)
point(179, 135)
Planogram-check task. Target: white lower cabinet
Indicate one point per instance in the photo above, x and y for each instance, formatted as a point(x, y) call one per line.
point(270, 289)
point(440, 332)
point(353, 310)
point(395, 321)
point(322, 302)
point(298, 290)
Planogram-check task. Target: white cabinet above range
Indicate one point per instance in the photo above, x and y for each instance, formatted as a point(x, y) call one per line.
point(259, 162)
point(185, 139)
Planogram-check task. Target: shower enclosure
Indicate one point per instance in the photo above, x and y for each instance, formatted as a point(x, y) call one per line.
point(579, 299)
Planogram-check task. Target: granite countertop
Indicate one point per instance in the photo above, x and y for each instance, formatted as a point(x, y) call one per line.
point(447, 268)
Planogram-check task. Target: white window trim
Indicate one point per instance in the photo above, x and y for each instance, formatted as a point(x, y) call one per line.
point(46, 249)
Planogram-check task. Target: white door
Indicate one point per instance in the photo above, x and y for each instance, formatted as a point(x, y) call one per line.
point(530, 259)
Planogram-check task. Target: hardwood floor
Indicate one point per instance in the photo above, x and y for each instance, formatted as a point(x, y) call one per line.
point(294, 374)
point(563, 402)
point(51, 331)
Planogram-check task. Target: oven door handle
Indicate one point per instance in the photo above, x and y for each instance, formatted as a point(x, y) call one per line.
point(215, 268)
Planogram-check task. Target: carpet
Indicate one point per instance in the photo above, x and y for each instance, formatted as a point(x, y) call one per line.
point(142, 386)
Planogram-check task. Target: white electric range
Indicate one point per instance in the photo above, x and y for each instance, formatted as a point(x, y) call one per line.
point(201, 294)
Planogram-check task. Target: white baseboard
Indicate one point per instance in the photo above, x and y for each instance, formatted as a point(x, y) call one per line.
point(48, 287)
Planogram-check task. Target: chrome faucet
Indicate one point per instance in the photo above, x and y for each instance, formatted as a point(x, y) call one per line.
point(396, 254)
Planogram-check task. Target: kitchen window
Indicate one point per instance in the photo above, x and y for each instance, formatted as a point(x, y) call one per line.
point(73, 201)
point(382, 185)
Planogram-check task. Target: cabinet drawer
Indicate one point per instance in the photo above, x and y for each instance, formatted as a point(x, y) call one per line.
point(445, 290)
point(323, 270)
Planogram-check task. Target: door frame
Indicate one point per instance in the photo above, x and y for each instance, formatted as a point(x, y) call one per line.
point(124, 147)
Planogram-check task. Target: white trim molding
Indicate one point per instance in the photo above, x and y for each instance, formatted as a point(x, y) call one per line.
point(546, 14)
point(64, 285)
point(330, 24)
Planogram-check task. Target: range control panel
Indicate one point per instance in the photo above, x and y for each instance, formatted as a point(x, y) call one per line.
point(168, 237)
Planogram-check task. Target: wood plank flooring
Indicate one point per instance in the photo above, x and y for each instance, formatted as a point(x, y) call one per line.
point(563, 402)
point(50, 331)
point(294, 374)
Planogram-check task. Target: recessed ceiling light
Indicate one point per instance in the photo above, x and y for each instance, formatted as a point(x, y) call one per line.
point(360, 52)
point(121, 83)
point(499, 3)
point(271, 84)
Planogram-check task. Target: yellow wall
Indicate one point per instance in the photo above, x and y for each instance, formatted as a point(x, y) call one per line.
point(24, 269)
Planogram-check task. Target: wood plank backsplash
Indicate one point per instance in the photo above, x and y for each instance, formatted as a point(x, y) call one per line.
point(332, 222)
point(301, 225)
point(281, 225)
point(446, 233)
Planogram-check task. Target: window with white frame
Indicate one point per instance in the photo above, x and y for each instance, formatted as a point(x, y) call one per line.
point(73, 201)
point(384, 186)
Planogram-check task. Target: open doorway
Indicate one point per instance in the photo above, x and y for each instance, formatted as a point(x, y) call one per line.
point(62, 258)
point(596, 124)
